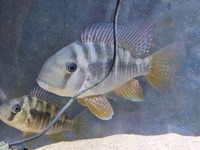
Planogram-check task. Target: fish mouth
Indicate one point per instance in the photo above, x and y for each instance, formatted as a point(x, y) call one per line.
point(42, 84)
point(50, 88)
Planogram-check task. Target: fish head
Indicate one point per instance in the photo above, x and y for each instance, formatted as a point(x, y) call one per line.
point(12, 113)
point(62, 73)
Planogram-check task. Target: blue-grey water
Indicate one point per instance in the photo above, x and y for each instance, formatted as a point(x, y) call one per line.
point(31, 31)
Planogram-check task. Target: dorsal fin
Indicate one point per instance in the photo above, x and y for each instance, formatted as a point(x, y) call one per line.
point(136, 38)
point(48, 97)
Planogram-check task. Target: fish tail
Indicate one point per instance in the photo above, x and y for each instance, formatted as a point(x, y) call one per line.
point(164, 65)
point(81, 122)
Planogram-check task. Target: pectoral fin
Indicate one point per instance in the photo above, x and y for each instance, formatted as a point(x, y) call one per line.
point(131, 90)
point(99, 106)
point(81, 122)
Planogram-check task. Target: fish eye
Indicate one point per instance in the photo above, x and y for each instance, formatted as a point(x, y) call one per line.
point(72, 67)
point(16, 108)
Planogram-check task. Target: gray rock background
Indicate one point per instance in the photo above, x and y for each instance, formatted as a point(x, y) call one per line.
point(31, 31)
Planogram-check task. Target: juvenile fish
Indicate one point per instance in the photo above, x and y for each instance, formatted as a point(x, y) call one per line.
point(33, 113)
point(83, 63)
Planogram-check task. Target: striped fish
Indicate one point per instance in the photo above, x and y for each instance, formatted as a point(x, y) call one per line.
point(33, 113)
point(83, 63)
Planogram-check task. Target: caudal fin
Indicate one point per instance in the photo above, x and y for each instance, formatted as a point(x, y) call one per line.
point(165, 64)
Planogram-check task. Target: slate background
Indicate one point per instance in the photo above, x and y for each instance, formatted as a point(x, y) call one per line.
point(32, 31)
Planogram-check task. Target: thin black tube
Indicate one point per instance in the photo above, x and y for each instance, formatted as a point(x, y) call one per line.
point(80, 92)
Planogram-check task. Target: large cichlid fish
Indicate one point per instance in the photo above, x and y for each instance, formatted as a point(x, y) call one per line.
point(83, 63)
point(33, 113)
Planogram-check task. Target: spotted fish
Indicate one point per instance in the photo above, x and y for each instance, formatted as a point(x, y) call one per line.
point(83, 63)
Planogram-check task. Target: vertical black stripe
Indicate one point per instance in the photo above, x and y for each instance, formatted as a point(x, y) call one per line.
point(11, 117)
point(73, 52)
point(98, 50)
point(84, 49)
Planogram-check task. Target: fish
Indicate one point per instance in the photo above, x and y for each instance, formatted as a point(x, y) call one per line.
point(32, 113)
point(82, 63)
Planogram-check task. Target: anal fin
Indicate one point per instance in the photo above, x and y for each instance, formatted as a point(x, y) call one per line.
point(131, 91)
